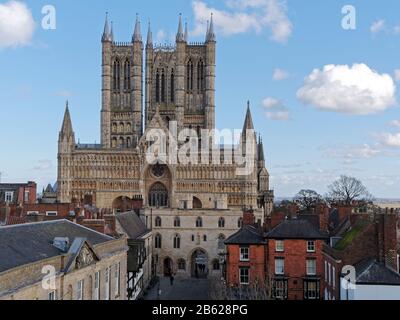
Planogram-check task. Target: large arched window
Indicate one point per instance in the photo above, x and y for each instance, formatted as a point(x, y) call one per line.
point(172, 86)
point(197, 203)
point(158, 196)
point(200, 76)
point(158, 241)
point(163, 86)
point(116, 75)
point(181, 264)
point(127, 75)
point(221, 223)
point(158, 222)
point(189, 75)
point(177, 222)
point(157, 86)
point(199, 222)
point(177, 241)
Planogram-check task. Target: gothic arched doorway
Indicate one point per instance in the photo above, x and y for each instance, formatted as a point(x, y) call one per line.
point(197, 203)
point(168, 267)
point(122, 204)
point(199, 262)
point(158, 196)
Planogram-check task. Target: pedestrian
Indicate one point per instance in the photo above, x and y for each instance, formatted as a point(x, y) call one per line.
point(159, 292)
point(172, 279)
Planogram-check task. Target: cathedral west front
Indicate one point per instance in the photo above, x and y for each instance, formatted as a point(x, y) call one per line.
point(191, 206)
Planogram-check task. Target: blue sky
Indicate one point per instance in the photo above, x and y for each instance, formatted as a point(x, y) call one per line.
point(340, 120)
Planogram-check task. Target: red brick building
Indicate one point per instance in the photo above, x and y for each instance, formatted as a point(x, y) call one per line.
point(246, 256)
point(359, 238)
point(294, 260)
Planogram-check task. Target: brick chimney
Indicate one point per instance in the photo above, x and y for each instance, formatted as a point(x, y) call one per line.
point(96, 225)
point(249, 219)
point(344, 212)
point(387, 239)
point(322, 210)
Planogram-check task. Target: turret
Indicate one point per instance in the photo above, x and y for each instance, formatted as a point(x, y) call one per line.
point(107, 43)
point(210, 75)
point(66, 139)
point(180, 74)
point(149, 72)
point(137, 78)
point(260, 154)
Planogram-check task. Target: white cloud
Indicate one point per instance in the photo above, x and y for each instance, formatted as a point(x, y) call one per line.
point(389, 139)
point(275, 109)
point(64, 93)
point(244, 16)
point(353, 90)
point(43, 165)
point(161, 36)
point(377, 26)
point(352, 152)
point(280, 75)
point(395, 123)
point(397, 74)
point(16, 24)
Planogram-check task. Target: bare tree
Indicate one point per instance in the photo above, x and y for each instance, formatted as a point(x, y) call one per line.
point(347, 189)
point(307, 199)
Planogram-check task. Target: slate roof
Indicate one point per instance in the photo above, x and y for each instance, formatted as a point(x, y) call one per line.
point(246, 235)
point(132, 224)
point(27, 243)
point(373, 272)
point(296, 229)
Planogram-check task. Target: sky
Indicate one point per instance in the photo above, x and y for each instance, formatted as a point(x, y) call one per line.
point(321, 77)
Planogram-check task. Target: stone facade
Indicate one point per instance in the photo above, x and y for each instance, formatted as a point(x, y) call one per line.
point(179, 88)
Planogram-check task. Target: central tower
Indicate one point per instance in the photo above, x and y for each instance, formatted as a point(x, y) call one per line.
point(180, 80)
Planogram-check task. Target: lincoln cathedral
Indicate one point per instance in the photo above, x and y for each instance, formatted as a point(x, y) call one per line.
point(191, 208)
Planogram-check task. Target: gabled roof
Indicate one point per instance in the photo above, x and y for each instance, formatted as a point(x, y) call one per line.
point(372, 272)
point(32, 242)
point(351, 234)
point(131, 223)
point(296, 229)
point(246, 235)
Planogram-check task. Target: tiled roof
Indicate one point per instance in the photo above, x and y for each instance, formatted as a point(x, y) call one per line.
point(132, 224)
point(28, 243)
point(246, 235)
point(296, 229)
point(372, 272)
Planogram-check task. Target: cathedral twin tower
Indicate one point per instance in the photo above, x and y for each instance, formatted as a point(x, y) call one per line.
point(179, 83)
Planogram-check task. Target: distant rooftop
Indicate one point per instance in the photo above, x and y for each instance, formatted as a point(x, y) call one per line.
point(373, 272)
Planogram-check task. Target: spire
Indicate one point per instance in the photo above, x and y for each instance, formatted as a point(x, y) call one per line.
point(112, 32)
point(67, 123)
point(137, 35)
point(248, 122)
point(186, 32)
point(180, 35)
point(149, 37)
point(208, 29)
point(211, 37)
point(261, 154)
point(106, 32)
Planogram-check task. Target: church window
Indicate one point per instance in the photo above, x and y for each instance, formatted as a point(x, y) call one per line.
point(157, 87)
point(116, 75)
point(172, 86)
point(177, 242)
point(177, 222)
point(158, 196)
point(200, 76)
point(216, 265)
point(189, 76)
point(158, 241)
point(158, 222)
point(163, 86)
point(205, 238)
point(240, 223)
point(221, 223)
point(199, 222)
point(127, 76)
point(221, 240)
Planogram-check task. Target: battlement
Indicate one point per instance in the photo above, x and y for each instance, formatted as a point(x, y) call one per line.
point(122, 44)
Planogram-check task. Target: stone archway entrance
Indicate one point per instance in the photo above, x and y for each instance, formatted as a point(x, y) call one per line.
point(199, 264)
point(168, 267)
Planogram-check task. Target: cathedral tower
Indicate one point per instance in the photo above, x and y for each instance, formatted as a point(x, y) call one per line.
point(122, 76)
